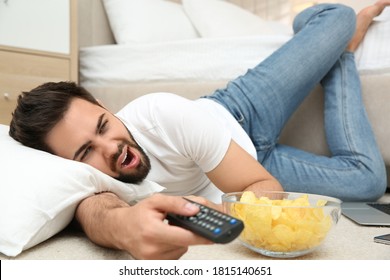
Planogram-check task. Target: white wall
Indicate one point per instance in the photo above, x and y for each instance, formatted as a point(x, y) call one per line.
point(36, 24)
point(357, 5)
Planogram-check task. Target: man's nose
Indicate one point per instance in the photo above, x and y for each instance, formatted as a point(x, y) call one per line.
point(108, 148)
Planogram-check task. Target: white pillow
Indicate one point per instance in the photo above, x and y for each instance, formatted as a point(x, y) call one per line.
point(39, 193)
point(217, 19)
point(148, 21)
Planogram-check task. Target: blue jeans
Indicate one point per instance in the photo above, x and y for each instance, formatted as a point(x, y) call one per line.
point(265, 97)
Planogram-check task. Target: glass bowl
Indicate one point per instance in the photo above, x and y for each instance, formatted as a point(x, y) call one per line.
point(283, 224)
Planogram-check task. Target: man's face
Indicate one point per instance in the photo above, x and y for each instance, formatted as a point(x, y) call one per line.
point(90, 134)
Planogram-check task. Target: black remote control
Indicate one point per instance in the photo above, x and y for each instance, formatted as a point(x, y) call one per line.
point(209, 223)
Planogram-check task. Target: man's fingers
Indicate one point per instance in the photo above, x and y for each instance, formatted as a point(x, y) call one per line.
point(169, 234)
point(182, 237)
point(173, 204)
point(206, 202)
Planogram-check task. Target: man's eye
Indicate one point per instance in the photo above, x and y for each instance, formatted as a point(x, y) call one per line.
point(103, 127)
point(86, 153)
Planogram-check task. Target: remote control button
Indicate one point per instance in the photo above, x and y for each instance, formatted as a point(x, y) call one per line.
point(202, 213)
point(192, 219)
point(217, 231)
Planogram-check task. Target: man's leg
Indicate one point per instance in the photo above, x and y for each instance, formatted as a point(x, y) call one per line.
point(273, 90)
point(265, 97)
point(355, 171)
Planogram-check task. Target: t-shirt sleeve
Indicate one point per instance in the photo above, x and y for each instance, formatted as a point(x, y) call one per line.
point(186, 127)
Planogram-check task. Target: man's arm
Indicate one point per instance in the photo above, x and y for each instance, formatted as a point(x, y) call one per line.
point(239, 171)
point(138, 229)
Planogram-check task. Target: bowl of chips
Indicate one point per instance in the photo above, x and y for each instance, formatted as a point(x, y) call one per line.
point(283, 224)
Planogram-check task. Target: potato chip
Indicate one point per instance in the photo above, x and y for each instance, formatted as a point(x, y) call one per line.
point(282, 225)
point(248, 197)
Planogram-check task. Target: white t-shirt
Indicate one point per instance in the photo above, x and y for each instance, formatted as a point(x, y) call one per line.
point(184, 139)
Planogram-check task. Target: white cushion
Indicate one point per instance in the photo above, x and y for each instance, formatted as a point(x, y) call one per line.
point(148, 21)
point(216, 18)
point(39, 193)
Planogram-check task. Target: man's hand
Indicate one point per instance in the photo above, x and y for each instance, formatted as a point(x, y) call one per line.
point(205, 202)
point(139, 229)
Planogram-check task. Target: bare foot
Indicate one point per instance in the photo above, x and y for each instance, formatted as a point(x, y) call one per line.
point(363, 21)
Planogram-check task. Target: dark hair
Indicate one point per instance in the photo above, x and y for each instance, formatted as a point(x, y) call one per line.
point(40, 109)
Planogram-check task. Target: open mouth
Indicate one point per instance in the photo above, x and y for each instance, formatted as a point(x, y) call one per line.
point(128, 158)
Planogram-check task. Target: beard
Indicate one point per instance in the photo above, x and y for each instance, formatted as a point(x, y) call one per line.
point(141, 171)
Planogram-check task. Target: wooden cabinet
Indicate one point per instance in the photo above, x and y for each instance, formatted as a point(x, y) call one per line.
point(23, 68)
point(7, 105)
